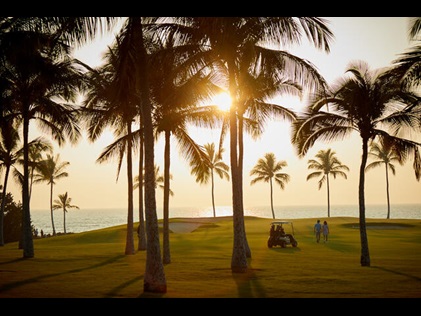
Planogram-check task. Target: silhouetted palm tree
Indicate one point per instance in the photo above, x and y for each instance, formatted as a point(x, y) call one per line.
point(131, 81)
point(41, 75)
point(384, 153)
point(230, 41)
point(64, 203)
point(326, 164)
point(50, 170)
point(370, 103)
point(204, 169)
point(11, 156)
point(177, 89)
point(267, 169)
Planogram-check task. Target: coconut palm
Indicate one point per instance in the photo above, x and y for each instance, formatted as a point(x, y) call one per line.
point(204, 170)
point(10, 157)
point(111, 103)
point(40, 82)
point(50, 170)
point(177, 88)
point(159, 181)
point(384, 153)
point(267, 169)
point(326, 164)
point(407, 65)
point(370, 103)
point(64, 203)
point(131, 82)
point(230, 40)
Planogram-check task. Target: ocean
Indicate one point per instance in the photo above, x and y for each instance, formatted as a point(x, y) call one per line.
point(91, 219)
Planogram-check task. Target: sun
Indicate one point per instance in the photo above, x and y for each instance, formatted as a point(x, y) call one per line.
point(223, 101)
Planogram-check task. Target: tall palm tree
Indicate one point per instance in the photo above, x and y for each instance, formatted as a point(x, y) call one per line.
point(370, 103)
point(384, 153)
point(326, 164)
point(177, 87)
point(41, 76)
point(51, 170)
point(64, 202)
point(230, 40)
point(111, 102)
point(204, 170)
point(267, 169)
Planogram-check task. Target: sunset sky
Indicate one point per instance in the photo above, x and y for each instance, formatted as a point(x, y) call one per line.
point(376, 40)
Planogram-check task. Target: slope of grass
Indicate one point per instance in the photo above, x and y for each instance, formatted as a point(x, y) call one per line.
point(93, 264)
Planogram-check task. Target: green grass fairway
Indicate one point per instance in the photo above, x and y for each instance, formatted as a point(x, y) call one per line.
point(93, 264)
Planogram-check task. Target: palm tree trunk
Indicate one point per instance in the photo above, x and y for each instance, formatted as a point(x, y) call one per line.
point(3, 205)
point(27, 241)
point(387, 192)
point(240, 167)
point(141, 229)
point(328, 195)
point(365, 255)
point(166, 233)
point(64, 220)
point(239, 259)
point(129, 233)
point(271, 198)
point(213, 195)
point(154, 277)
point(51, 207)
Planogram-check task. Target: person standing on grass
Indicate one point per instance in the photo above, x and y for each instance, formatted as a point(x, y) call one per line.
point(317, 230)
point(325, 231)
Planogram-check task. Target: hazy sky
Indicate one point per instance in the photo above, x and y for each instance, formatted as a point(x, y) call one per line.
point(376, 40)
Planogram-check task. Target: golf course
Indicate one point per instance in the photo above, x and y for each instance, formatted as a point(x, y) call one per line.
point(93, 264)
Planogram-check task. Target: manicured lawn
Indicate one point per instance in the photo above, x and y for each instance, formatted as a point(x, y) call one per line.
point(93, 264)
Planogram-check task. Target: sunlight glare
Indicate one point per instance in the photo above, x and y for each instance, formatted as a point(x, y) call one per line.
point(223, 101)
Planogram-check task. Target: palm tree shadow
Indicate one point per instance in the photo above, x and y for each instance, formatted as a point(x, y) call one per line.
point(248, 284)
point(398, 273)
point(16, 284)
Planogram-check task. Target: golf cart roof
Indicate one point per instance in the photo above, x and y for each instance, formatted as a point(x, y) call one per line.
point(281, 222)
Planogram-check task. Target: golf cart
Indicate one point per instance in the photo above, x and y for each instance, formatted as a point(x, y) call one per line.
point(278, 236)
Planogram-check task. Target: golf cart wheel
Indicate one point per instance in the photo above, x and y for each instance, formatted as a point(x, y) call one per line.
point(294, 244)
point(283, 244)
point(269, 244)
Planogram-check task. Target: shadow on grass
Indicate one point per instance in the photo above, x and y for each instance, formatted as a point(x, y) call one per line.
point(398, 273)
point(13, 285)
point(248, 284)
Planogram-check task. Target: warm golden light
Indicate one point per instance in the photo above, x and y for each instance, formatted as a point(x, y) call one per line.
point(223, 101)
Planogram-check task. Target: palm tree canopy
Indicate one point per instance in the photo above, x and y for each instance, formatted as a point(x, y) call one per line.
point(384, 153)
point(327, 163)
point(268, 168)
point(64, 202)
point(362, 102)
point(203, 169)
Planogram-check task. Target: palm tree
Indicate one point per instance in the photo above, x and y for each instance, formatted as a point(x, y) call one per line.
point(384, 153)
point(228, 42)
point(370, 103)
point(327, 163)
point(205, 169)
point(11, 155)
point(267, 169)
point(64, 203)
point(159, 181)
point(51, 170)
point(131, 80)
point(177, 87)
point(111, 102)
point(41, 74)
